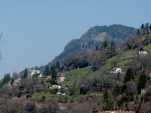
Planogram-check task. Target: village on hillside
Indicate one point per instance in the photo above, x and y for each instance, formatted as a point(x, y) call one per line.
point(106, 79)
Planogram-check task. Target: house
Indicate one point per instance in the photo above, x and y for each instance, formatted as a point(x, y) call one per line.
point(142, 52)
point(116, 70)
point(35, 73)
point(61, 93)
point(17, 82)
point(49, 77)
point(61, 77)
point(16, 79)
point(55, 87)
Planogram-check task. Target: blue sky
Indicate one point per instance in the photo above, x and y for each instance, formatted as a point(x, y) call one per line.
point(35, 31)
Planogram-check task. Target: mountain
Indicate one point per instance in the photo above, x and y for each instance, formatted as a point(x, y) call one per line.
point(122, 81)
point(92, 39)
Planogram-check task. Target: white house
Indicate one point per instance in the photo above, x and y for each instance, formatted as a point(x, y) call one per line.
point(61, 93)
point(116, 70)
point(35, 72)
point(55, 87)
point(143, 52)
point(17, 82)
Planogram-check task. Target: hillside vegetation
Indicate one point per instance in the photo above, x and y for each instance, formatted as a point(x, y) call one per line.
point(114, 75)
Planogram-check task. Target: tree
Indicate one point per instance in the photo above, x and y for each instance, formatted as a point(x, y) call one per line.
point(108, 101)
point(141, 82)
point(24, 74)
point(147, 28)
point(57, 65)
point(46, 71)
point(129, 75)
point(54, 72)
point(117, 89)
point(112, 49)
point(138, 32)
point(104, 44)
point(143, 28)
point(84, 89)
point(5, 80)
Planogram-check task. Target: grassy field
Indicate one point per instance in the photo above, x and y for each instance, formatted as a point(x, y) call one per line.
point(76, 74)
point(122, 60)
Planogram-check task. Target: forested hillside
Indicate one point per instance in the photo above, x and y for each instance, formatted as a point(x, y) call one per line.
point(107, 69)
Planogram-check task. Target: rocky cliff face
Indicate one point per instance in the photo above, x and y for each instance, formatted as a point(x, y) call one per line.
point(92, 39)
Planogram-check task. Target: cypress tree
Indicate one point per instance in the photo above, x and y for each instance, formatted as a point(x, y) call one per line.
point(129, 75)
point(141, 82)
point(143, 28)
point(147, 28)
point(54, 72)
point(25, 74)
